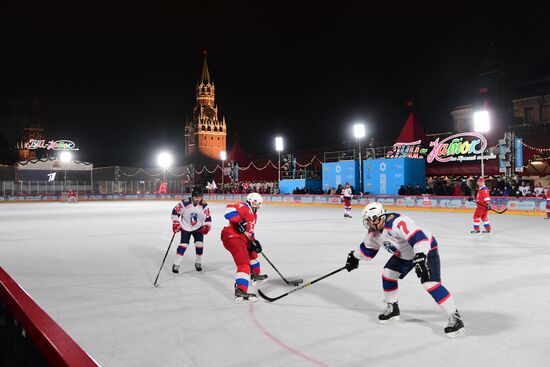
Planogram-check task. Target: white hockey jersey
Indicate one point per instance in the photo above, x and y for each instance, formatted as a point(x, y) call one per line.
point(192, 217)
point(346, 193)
point(400, 236)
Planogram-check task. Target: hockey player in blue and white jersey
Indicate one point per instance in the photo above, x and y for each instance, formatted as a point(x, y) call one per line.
point(192, 217)
point(412, 247)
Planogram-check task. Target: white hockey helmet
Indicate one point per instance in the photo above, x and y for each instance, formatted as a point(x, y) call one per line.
point(373, 212)
point(255, 200)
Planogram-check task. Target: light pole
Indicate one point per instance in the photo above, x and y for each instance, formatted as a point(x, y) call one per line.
point(223, 156)
point(164, 160)
point(279, 148)
point(359, 133)
point(482, 124)
point(65, 157)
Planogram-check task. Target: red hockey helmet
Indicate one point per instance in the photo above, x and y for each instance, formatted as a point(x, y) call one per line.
point(481, 180)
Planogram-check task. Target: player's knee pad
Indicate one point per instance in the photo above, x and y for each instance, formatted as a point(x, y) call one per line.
point(181, 248)
point(199, 244)
point(391, 274)
point(429, 285)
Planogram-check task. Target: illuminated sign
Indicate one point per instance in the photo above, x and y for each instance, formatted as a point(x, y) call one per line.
point(51, 145)
point(455, 148)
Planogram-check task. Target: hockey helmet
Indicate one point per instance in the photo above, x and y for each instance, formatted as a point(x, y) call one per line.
point(372, 213)
point(196, 191)
point(481, 180)
point(255, 200)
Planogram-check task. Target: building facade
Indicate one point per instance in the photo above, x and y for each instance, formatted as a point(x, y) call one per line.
point(205, 134)
point(33, 130)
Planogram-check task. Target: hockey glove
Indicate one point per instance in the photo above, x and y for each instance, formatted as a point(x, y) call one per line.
point(352, 262)
point(204, 229)
point(488, 206)
point(241, 227)
point(176, 226)
point(254, 246)
point(421, 267)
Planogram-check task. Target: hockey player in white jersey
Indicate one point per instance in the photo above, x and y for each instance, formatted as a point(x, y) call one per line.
point(192, 217)
point(346, 200)
point(412, 247)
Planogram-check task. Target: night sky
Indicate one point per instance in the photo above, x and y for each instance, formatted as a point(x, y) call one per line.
point(120, 82)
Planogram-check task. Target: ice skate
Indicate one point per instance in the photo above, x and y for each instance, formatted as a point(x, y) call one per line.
point(175, 269)
point(455, 327)
point(258, 278)
point(241, 296)
point(198, 267)
point(486, 231)
point(390, 314)
point(475, 231)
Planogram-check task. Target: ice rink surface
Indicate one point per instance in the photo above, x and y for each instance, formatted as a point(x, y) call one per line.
point(91, 266)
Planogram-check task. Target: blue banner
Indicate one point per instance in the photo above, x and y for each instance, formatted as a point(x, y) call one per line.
point(338, 173)
point(518, 154)
point(385, 176)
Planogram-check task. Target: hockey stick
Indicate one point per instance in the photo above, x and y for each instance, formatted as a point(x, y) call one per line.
point(300, 287)
point(293, 282)
point(485, 206)
point(163, 260)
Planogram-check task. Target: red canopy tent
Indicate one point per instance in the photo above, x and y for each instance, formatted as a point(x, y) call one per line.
point(411, 131)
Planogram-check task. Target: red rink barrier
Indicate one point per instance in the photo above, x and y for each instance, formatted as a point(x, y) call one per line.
point(55, 345)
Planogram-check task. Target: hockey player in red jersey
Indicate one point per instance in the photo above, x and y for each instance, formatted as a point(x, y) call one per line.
point(412, 248)
point(346, 199)
point(238, 238)
point(483, 201)
point(72, 197)
point(192, 217)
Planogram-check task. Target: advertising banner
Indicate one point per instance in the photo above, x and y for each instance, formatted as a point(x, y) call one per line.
point(518, 154)
point(529, 204)
point(338, 173)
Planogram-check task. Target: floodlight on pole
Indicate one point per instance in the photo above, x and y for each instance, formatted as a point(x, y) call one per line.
point(65, 156)
point(223, 156)
point(482, 124)
point(279, 148)
point(164, 160)
point(359, 133)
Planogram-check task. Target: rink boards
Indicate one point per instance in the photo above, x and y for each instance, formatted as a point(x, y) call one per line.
point(528, 205)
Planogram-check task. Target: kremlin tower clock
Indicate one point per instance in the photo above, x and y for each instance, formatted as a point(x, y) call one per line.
point(205, 135)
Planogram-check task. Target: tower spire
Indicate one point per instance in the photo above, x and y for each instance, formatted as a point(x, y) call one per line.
point(205, 73)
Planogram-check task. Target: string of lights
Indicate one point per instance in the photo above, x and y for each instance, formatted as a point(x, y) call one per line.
point(535, 148)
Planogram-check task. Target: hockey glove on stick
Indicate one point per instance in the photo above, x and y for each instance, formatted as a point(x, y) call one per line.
point(421, 267)
point(254, 246)
point(204, 229)
point(176, 226)
point(241, 227)
point(352, 262)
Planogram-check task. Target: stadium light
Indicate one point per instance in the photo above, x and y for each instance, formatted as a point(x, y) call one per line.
point(65, 156)
point(482, 124)
point(359, 133)
point(223, 156)
point(279, 148)
point(164, 160)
